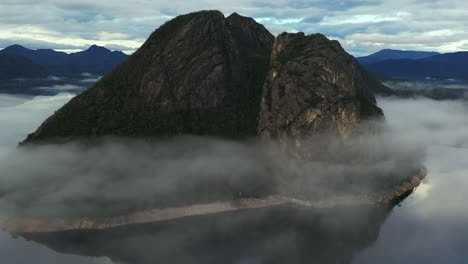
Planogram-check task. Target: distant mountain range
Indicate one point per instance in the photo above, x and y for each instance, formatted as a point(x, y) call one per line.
point(13, 66)
point(19, 62)
point(417, 65)
point(389, 54)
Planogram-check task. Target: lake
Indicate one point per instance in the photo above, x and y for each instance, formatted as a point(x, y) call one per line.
point(430, 226)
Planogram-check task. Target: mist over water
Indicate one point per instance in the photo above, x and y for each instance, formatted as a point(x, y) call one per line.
point(119, 176)
point(429, 227)
point(435, 89)
point(19, 115)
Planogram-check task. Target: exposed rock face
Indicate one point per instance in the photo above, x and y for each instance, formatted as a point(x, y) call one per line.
point(199, 73)
point(313, 86)
point(204, 74)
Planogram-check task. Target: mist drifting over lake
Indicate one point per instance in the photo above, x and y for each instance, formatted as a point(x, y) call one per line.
point(434, 211)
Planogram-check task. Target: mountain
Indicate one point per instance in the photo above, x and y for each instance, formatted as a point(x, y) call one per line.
point(40, 56)
point(389, 54)
point(443, 66)
point(200, 73)
point(13, 66)
point(96, 60)
point(204, 74)
point(228, 77)
point(313, 86)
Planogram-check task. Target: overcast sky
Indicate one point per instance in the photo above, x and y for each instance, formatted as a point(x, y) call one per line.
point(362, 26)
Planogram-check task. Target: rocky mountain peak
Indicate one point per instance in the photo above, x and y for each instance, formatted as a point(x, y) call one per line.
point(235, 17)
point(198, 73)
point(15, 48)
point(204, 74)
point(97, 49)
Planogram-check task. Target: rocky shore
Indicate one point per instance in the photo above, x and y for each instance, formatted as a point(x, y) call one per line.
point(168, 214)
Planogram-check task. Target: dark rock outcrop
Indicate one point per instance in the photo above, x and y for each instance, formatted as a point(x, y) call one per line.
point(204, 74)
point(199, 73)
point(314, 87)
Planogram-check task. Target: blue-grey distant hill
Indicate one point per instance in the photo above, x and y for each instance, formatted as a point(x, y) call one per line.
point(13, 66)
point(20, 62)
point(439, 67)
point(389, 54)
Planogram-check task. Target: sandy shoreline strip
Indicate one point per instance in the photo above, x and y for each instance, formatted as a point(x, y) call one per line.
point(158, 215)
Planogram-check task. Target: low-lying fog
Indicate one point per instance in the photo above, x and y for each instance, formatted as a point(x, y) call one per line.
point(19, 115)
point(50, 86)
point(429, 227)
point(118, 176)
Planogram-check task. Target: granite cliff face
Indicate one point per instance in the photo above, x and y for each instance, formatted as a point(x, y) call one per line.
point(313, 87)
point(199, 73)
point(204, 74)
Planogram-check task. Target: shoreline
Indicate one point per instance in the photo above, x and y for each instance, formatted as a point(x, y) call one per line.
point(168, 214)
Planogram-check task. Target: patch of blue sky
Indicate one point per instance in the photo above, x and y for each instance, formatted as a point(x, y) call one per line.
point(88, 16)
point(332, 5)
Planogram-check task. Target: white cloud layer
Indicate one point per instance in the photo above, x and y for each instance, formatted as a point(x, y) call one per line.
point(19, 116)
point(365, 26)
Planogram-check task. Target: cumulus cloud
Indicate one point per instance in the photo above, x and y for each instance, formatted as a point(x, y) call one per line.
point(66, 24)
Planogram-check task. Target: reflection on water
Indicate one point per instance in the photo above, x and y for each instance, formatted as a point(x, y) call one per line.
point(431, 226)
point(19, 251)
point(427, 227)
point(269, 235)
